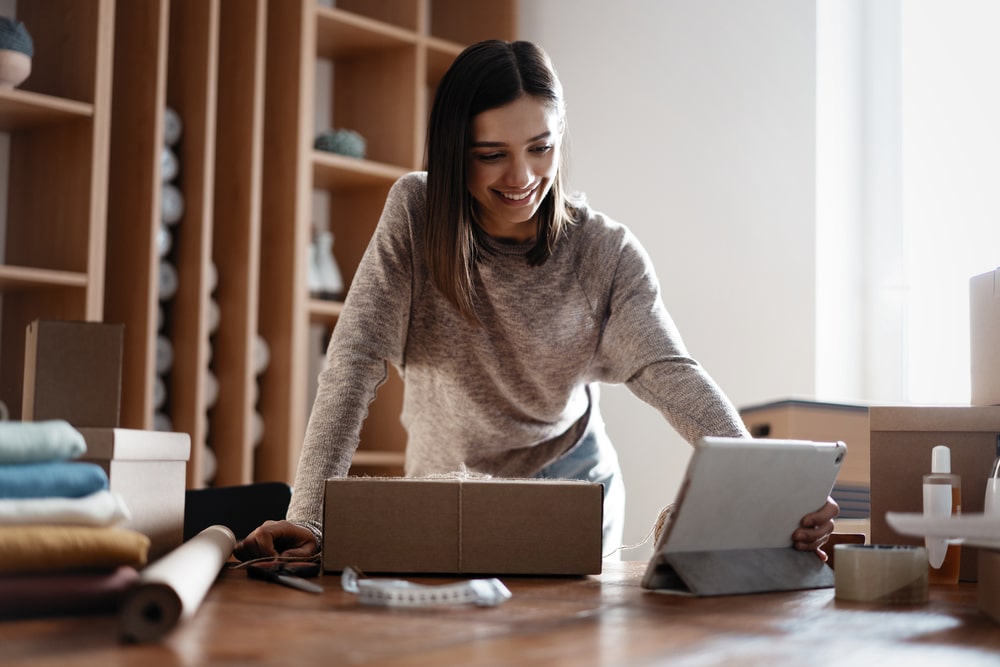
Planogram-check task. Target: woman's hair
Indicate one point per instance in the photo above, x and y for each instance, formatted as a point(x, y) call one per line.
point(484, 76)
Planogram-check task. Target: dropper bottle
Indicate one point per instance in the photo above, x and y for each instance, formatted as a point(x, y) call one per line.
point(942, 497)
point(991, 504)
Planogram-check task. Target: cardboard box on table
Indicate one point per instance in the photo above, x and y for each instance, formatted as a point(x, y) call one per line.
point(463, 526)
point(902, 438)
point(984, 337)
point(149, 470)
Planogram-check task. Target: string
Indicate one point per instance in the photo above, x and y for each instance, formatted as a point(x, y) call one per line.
point(655, 531)
point(270, 559)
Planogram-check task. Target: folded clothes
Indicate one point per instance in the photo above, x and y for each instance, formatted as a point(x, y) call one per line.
point(49, 440)
point(67, 548)
point(47, 594)
point(101, 508)
point(58, 479)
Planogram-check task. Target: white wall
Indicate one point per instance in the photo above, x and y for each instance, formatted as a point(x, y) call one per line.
point(693, 122)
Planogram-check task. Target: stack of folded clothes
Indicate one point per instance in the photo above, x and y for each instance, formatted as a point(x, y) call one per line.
point(62, 545)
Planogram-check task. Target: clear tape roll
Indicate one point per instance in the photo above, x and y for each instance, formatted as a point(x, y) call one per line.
point(887, 574)
point(171, 589)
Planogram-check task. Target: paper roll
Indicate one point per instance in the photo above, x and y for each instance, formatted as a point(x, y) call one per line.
point(886, 574)
point(171, 589)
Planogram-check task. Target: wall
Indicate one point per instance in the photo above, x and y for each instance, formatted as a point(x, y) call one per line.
point(693, 122)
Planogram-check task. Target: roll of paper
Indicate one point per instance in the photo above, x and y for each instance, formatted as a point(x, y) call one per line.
point(886, 574)
point(172, 589)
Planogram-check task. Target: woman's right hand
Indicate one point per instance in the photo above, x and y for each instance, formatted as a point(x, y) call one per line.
point(277, 538)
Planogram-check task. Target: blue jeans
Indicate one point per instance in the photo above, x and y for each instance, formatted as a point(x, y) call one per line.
point(594, 459)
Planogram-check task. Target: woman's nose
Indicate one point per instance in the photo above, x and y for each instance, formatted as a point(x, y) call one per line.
point(518, 172)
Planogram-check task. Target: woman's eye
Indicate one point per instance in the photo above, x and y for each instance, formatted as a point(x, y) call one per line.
point(542, 149)
point(489, 157)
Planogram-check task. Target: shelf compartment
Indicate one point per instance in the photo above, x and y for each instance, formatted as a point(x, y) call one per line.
point(342, 34)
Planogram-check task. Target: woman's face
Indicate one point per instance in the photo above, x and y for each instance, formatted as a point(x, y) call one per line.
point(513, 158)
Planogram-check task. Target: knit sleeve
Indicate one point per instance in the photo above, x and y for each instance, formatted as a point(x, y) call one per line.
point(370, 333)
point(642, 347)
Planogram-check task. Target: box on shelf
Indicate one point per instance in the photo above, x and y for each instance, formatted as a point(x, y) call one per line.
point(825, 422)
point(902, 438)
point(463, 526)
point(72, 371)
point(984, 337)
point(149, 470)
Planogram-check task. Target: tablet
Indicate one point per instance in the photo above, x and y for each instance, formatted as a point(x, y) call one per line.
point(744, 495)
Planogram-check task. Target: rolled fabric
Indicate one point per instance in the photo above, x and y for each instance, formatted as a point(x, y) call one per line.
point(101, 508)
point(26, 549)
point(50, 594)
point(33, 442)
point(58, 479)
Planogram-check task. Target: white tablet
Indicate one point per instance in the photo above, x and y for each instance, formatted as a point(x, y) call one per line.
point(745, 495)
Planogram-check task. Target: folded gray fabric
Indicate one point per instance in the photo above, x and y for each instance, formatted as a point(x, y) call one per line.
point(50, 440)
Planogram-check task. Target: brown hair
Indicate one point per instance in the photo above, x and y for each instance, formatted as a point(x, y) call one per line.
point(484, 76)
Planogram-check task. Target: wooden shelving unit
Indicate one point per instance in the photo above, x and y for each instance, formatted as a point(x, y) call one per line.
point(241, 74)
point(58, 121)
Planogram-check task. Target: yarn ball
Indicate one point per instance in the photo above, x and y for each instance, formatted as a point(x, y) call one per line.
point(14, 36)
point(342, 141)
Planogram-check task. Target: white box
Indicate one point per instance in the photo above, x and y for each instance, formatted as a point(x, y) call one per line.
point(149, 470)
point(984, 337)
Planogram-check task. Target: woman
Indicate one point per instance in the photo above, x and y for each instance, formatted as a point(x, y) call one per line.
point(504, 302)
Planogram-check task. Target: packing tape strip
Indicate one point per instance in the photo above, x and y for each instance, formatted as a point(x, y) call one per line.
point(888, 574)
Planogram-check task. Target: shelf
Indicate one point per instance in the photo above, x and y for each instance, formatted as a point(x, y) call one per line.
point(25, 110)
point(323, 311)
point(378, 459)
point(13, 278)
point(342, 34)
point(340, 172)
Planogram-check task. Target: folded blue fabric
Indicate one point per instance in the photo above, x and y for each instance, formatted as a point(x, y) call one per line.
point(56, 479)
point(49, 440)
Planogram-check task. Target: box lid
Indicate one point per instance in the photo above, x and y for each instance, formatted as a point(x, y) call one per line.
point(135, 444)
point(935, 418)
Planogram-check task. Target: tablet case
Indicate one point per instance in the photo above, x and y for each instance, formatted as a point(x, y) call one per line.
point(740, 501)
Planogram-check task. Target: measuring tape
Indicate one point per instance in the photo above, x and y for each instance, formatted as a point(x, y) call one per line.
point(399, 593)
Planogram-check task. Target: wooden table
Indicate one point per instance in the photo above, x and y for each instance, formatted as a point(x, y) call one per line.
point(602, 620)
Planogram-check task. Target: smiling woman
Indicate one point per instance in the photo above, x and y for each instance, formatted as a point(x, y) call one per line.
point(504, 302)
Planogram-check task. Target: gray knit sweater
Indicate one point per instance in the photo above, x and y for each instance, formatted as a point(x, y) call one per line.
point(511, 396)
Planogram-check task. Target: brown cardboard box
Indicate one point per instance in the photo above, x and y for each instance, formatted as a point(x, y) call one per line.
point(984, 337)
point(455, 526)
point(814, 420)
point(901, 441)
point(149, 470)
point(72, 371)
point(988, 589)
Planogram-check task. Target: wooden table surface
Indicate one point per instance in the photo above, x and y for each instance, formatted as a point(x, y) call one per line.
point(600, 620)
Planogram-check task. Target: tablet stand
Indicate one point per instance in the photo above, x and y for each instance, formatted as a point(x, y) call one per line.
point(737, 571)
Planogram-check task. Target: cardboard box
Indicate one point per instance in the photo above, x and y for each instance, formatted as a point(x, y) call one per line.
point(988, 589)
point(461, 526)
point(149, 470)
point(901, 442)
point(984, 337)
point(72, 371)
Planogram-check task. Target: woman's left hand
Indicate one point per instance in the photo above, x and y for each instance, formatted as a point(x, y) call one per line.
point(815, 529)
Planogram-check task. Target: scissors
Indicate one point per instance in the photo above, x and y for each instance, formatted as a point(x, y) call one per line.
point(287, 573)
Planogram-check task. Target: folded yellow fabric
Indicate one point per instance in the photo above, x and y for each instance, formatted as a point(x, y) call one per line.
point(45, 548)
